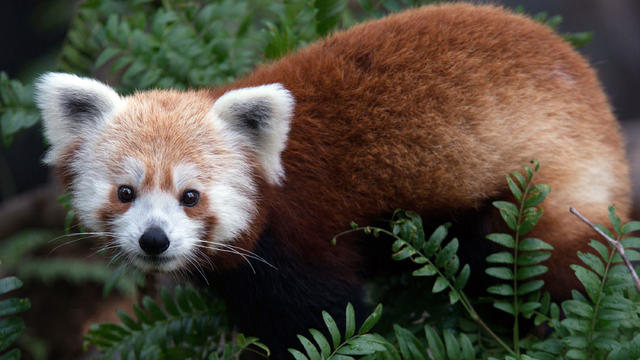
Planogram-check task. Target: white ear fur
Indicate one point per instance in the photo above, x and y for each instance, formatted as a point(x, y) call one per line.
point(71, 107)
point(263, 114)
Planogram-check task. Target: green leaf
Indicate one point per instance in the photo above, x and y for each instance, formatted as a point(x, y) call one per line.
point(463, 277)
point(363, 345)
point(589, 279)
point(454, 297)
point(515, 190)
point(500, 258)
point(536, 195)
point(509, 213)
point(297, 354)
point(531, 271)
point(602, 249)
point(451, 344)
point(593, 262)
point(631, 242)
point(435, 343)
point(154, 310)
point(447, 252)
point(439, 234)
point(615, 220)
point(11, 325)
point(106, 55)
point(576, 354)
point(9, 284)
point(504, 306)
point(505, 240)
point(332, 327)
point(630, 227)
point(532, 258)
point(141, 315)
point(427, 270)
point(311, 350)
point(530, 286)
point(531, 244)
point(468, 351)
point(531, 216)
point(528, 171)
point(11, 355)
point(128, 321)
point(529, 307)
point(371, 320)
point(500, 272)
point(328, 13)
point(501, 289)
point(168, 302)
point(350, 322)
point(579, 39)
point(323, 344)
point(440, 284)
point(14, 306)
point(520, 178)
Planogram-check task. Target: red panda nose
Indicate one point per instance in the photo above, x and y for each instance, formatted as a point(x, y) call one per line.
point(154, 241)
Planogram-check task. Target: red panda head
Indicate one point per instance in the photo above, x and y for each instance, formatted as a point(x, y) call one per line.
point(166, 175)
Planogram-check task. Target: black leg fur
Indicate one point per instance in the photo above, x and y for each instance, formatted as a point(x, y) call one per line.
point(277, 304)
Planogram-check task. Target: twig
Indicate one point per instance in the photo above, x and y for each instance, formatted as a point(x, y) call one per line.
point(617, 245)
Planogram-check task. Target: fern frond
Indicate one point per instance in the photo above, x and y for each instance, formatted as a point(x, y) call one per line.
point(11, 326)
point(187, 325)
point(17, 108)
point(343, 346)
point(604, 321)
point(521, 264)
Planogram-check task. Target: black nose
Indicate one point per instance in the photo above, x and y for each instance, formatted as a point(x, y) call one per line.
point(154, 241)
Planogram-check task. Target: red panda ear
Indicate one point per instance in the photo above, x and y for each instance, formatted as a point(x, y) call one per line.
point(262, 114)
point(72, 108)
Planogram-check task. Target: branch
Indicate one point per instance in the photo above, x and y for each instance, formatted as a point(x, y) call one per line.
point(617, 245)
point(35, 208)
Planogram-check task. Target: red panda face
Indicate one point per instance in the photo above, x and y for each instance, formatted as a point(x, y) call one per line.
point(167, 176)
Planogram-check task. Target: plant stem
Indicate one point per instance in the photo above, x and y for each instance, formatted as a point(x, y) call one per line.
point(466, 303)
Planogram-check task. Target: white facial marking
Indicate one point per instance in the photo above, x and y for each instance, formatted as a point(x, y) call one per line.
point(185, 176)
point(132, 173)
point(162, 210)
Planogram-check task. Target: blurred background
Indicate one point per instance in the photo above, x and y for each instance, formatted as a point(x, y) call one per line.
point(66, 280)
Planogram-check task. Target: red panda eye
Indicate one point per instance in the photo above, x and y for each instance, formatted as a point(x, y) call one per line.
point(126, 193)
point(190, 198)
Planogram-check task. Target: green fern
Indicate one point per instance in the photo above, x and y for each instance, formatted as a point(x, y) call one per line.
point(607, 319)
point(186, 325)
point(17, 108)
point(524, 260)
point(343, 346)
point(10, 326)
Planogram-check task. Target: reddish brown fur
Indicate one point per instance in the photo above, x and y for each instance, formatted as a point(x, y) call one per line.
point(428, 110)
point(424, 110)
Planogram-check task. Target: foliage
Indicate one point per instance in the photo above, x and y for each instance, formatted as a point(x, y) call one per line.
point(17, 110)
point(10, 326)
point(343, 346)
point(188, 324)
point(520, 294)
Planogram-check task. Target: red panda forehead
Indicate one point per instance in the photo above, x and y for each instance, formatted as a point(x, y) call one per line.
point(158, 132)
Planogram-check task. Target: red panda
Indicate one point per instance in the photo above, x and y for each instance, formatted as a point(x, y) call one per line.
point(424, 110)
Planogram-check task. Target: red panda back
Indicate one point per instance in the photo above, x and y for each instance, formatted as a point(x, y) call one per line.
point(427, 110)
